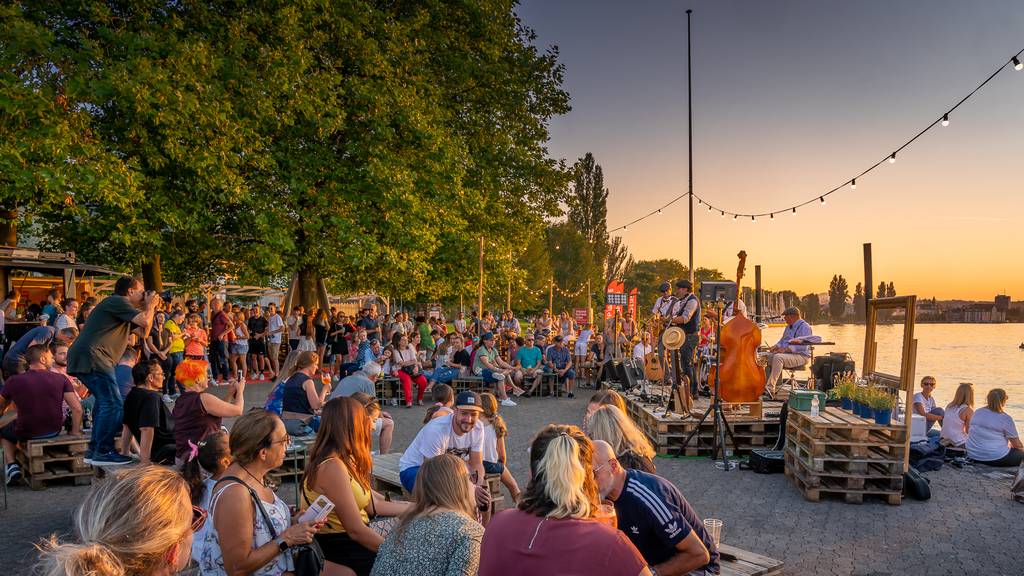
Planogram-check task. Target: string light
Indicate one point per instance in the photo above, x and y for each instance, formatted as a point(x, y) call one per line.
point(753, 219)
point(944, 121)
point(771, 216)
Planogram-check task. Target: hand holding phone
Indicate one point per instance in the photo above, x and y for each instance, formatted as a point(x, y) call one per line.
point(318, 511)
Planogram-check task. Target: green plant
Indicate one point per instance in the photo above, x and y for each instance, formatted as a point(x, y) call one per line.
point(881, 400)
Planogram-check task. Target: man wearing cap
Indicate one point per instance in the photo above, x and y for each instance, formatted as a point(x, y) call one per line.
point(686, 315)
point(460, 433)
point(789, 352)
point(559, 361)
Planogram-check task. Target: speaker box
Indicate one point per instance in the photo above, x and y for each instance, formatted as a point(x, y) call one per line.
point(832, 364)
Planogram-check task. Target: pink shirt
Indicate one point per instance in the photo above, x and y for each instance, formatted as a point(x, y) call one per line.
point(516, 542)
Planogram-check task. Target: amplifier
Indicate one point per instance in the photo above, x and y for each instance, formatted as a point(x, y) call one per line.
point(830, 365)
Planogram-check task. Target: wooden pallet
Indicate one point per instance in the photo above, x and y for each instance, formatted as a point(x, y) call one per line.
point(749, 423)
point(54, 459)
point(837, 453)
point(390, 387)
point(743, 563)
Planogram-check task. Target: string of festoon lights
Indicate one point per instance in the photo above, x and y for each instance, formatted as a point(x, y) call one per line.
point(848, 184)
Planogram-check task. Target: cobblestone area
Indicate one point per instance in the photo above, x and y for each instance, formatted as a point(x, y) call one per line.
point(970, 526)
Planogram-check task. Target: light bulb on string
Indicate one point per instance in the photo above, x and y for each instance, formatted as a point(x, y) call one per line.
point(709, 207)
point(624, 229)
point(721, 214)
point(794, 210)
point(659, 211)
point(771, 216)
point(1017, 65)
point(853, 184)
point(734, 216)
point(822, 198)
point(753, 219)
point(945, 119)
point(892, 158)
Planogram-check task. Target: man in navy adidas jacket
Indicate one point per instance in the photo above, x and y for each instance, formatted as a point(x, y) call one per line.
point(657, 519)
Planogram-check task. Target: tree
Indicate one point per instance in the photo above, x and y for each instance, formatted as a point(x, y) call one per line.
point(568, 250)
point(858, 301)
point(838, 292)
point(811, 308)
point(588, 210)
point(619, 261)
point(890, 291)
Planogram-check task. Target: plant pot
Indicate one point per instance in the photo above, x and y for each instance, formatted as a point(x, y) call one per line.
point(846, 403)
point(883, 416)
point(867, 412)
point(855, 407)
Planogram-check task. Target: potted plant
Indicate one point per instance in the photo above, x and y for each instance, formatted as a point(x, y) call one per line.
point(866, 411)
point(844, 391)
point(882, 404)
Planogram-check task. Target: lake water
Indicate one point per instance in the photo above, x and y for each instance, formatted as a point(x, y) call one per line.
point(985, 354)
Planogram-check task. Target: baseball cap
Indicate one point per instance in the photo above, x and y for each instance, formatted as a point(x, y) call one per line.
point(487, 336)
point(468, 401)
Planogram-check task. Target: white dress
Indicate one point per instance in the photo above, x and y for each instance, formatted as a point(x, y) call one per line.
point(211, 560)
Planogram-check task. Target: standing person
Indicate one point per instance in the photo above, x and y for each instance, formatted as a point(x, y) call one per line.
point(553, 530)
point(239, 348)
point(492, 369)
point(158, 342)
point(92, 357)
point(146, 417)
point(370, 323)
point(559, 361)
point(321, 330)
point(495, 432)
point(139, 522)
point(220, 335)
point(198, 413)
point(339, 467)
point(338, 344)
point(258, 326)
point(438, 535)
point(661, 523)
point(40, 396)
point(686, 315)
point(195, 338)
point(993, 439)
point(581, 344)
point(241, 541)
point(924, 404)
point(956, 423)
point(426, 340)
point(405, 365)
point(294, 328)
point(275, 330)
point(787, 352)
point(307, 333)
point(460, 323)
point(632, 448)
point(176, 351)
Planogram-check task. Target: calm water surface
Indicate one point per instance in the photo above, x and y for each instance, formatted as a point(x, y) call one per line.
point(985, 354)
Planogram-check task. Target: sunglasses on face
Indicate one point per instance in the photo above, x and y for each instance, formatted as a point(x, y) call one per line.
point(198, 518)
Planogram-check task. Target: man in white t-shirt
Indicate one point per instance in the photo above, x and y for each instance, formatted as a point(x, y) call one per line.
point(275, 328)
point(460, 433)
point(924, 405)
point(643, 347)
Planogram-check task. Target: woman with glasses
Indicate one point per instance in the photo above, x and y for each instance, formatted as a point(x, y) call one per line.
point(140, 521)
point(252, 529)
point(339, 467)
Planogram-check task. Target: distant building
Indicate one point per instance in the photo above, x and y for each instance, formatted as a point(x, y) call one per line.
point(1003, 303)
point(983, 313)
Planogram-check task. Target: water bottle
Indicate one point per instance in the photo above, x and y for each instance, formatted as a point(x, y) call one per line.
point(814, 405)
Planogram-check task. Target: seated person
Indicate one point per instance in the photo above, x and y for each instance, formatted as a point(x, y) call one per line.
point(123, 371)
point(559, 361)
point(597, 360)
point(993, 438)
point(924, 405)
point(364, 380)
point(146, 417)
point(788, 352)
point(643, 347)
point(15, 361)
point(301, 400)
point(528, 364)
point(956, 422)
point(39, 395)
point(662, 525)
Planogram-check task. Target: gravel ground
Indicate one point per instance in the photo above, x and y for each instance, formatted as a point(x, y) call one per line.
point(968, 527)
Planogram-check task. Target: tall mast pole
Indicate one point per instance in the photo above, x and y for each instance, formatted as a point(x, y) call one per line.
point(689, 126)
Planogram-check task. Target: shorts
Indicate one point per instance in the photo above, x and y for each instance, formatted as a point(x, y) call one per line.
point(239, 348)
point(257, 346)
point(408, 478)
point(581, 348)
point(8, 433)
point(340, 548)
point(569, 374)
point(493, 467)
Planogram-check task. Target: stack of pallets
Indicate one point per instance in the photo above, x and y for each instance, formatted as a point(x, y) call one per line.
point(54, 459)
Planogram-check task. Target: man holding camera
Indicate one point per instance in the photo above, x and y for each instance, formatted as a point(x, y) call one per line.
point(97, 350)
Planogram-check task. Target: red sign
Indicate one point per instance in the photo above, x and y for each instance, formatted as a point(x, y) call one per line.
point(581, 316)
point(615, 298)
point(632, 304)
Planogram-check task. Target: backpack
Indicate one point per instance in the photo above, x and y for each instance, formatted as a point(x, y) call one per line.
point(275, 399)
point(915, 485)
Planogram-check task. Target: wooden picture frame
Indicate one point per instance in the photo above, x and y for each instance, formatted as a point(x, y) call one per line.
point(904, 381)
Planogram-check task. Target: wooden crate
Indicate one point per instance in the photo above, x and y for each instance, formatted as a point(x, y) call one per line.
point(752, 426)
point(837, 453)
point(54, 459)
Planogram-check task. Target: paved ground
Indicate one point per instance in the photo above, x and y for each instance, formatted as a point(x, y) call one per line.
point(969, 527)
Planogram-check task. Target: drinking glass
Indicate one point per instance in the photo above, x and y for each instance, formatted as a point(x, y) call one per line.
point(606, 514)
point(714, 528)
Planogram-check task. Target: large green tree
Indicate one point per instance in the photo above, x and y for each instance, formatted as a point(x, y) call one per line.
point(838, 292)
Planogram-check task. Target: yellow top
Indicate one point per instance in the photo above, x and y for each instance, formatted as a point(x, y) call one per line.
point(334, 525)
point(177, 343)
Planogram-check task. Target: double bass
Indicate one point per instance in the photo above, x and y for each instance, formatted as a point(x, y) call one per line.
point(741, 379)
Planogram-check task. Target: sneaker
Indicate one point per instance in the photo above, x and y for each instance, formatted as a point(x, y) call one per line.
point(110, 459)
point(570, 395)
point(419, 402)
point(508, 402)
point(87, 458)
point(13, 474)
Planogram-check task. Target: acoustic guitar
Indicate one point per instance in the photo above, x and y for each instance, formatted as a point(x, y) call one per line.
point(654, 370)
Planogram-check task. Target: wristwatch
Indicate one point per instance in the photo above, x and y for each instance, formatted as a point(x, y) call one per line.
point(281, 544)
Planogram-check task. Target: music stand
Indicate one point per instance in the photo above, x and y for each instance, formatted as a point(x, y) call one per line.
point(721, 424)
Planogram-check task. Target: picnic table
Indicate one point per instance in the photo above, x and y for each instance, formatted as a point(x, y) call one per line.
point(737, 562)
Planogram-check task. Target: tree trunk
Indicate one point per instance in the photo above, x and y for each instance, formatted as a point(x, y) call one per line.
point(309, 290)
point(151, 274)
point(8, 227)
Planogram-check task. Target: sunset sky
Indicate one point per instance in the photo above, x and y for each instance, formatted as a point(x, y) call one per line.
point(791, 99)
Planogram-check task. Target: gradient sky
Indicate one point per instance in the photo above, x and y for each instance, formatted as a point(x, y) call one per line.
point(791, 99)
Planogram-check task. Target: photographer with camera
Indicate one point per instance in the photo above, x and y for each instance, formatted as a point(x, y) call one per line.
point(98, 348)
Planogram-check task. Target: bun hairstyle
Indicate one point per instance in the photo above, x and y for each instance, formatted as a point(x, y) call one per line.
point(127, 525)
point(562, 485)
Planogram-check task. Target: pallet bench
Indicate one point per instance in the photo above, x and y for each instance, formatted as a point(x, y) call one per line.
point(386, 480)
point(743, 563)
point(838, 454)
point(389, 387)
point(54, 459)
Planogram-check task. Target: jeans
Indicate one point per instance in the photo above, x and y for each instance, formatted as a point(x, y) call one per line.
point(109, 412)
point(219, 360)
point(444, 374)
point(170, 384)
point(940, 412)
point(686, 360)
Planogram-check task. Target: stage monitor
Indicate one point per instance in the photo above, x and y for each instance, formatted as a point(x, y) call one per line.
point(718, 291)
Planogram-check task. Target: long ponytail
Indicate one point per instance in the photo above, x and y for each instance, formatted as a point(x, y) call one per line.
point(561, 485)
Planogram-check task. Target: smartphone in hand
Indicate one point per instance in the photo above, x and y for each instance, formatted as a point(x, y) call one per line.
point(318, 511)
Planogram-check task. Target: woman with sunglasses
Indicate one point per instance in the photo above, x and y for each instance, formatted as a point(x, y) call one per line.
point(242, 541)
point(140, 521)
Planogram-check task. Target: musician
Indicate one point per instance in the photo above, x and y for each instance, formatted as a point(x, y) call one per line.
point(663, 307)
point(643, 347)
point(788, 352)
point(686, 315)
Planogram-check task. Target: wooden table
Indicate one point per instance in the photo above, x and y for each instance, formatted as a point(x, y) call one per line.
point(748, 563)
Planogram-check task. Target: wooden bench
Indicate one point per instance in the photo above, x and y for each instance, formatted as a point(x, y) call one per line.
point(389, 387)
point(738, 562)
point(467, 383)
point(386, 479)
point(58, 458)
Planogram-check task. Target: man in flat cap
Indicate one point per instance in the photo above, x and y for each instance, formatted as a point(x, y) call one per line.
point(686, 315)
point(789, 352)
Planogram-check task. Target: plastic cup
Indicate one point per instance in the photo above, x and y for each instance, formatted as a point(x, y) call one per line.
point(606, 514)
point(714, 528)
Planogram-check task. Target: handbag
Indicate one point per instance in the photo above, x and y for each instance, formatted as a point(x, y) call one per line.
point(308, 558)
point(382, 525)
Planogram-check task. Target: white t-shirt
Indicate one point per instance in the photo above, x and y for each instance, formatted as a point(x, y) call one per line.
point(273, 323)
point(437, 437)
point(987, 438)
point(64, 321)
point(490, 451)
point(928, 403)
point(639, 351)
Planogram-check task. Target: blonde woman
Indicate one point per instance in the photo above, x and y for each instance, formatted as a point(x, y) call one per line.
point(139, 522)
point(632, 449)
point(993, 439)
point(553, 530)
point(600, 398)
point(957, 419)
point(439, 535)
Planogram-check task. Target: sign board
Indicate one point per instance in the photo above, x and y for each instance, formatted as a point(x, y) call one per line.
point(614, 298)
point(632, 304)
point(581, 316)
